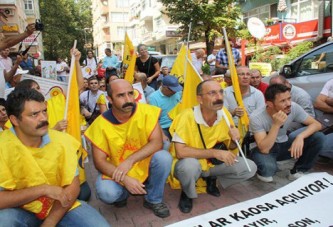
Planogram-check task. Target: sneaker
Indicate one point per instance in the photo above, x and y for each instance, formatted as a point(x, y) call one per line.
point(264, 179)
point(295, 176)
point(159, 209)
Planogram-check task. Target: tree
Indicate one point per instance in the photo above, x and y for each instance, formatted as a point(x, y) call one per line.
point(207, 17)
point(64, 21)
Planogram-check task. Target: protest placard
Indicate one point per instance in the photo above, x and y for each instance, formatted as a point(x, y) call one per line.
point(304, 202)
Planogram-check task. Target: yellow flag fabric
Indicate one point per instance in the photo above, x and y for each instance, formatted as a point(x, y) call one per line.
point(243, 124)
point(189, 97)
point(23, 167)
point(74, 120)
point(129, 59)
point(178, 68)
point(55, 109)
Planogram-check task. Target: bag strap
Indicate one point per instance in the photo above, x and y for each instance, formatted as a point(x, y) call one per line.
point(201, 137)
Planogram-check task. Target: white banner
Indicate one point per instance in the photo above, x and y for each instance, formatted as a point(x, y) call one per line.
point(139, 95)
point(304, 202)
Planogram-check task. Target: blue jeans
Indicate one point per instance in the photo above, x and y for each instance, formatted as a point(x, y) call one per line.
point(327, 150)
point(83, 216)
point(267, 165)
point(160, 165)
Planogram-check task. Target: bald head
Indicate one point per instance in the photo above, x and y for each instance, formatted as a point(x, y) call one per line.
point(200, 53)
point(118, 85)
point(278, 79)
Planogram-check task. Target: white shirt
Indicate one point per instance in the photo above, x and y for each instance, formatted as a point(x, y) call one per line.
point(328, 89)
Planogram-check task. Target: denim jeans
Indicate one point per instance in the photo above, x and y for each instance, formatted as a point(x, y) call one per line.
point(327, 150)
point(83, 216)
point(267, 165)
point(160, 165)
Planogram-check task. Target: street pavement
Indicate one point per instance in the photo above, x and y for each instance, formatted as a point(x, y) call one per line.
point(135, 215)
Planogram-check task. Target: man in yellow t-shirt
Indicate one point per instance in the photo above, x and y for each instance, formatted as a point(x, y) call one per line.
point(127, 151)
point(39, 180)
point(195, 133)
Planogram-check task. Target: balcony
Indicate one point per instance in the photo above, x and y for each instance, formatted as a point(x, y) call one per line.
point(147, 37)
point(106, 38)
point(29, 12)
point(104, 10)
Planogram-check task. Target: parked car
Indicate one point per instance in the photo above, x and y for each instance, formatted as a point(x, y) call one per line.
point(311, 70)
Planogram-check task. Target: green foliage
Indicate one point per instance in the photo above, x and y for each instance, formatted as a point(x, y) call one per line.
point(64, 21)
point(206, 69)
point(269, 55)
point(208, 18)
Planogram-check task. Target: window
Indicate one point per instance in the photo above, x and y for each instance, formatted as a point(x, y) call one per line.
point(303, 10)
point(122, 3)
point(121, 32)
point(317, 62)
point(119, 17)
point(262, 13)
point(28, 4)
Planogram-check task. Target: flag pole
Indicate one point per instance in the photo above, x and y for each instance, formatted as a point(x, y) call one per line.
point(237, 143)
point(70, 80)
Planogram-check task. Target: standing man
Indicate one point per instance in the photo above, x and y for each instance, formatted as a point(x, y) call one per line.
point(256, 82)
point(39, 180)
point(110, 63)
point(198, 59)
point(195, 133)
point(6, 60)
point(27, 64)
point(127, 142)
point(269, 126)
point(62, 69)
point(211, 60)
point(222, 57)
point(252, 98)
point(91, 63)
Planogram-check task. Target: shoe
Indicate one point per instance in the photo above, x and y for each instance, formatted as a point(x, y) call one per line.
point(294, 176)
point(120, 204)
point(211, 188)
point(159, 209)
point(264, 179)
point(185, 203)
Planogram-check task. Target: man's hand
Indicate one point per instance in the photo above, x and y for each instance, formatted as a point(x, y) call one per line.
point(238, 111)
point(296, 149)
point(61, 125)
point(279, 118)
point(149, 79)
point(76, 53)
point(120, 172)
point(57, 193)
point(134, 186)
point(225, 156)
point(18, 59)
point(30, 28)
point(234, 133)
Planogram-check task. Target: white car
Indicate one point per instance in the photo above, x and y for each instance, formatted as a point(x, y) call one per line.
point(311, 70)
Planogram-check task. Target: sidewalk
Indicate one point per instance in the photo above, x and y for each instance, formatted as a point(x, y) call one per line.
point(135, 215)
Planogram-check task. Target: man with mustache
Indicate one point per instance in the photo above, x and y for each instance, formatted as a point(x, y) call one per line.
point(269, 126)
point(127, 151)
point(39, 182)
point(252, 97)
point(195, 133)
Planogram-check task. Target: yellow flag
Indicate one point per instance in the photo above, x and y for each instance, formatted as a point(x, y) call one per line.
point(178, 68)
point(189, 96)
point(129, 59)
point(74, 118)
point(243, 124)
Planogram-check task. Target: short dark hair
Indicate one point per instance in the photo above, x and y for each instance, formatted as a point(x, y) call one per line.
point(108, 49)
point(141, 45)
point(92, 78)
point(2, 102)
point(25, 84)
point(199, 87)
point(17, 98)
point(275, 89)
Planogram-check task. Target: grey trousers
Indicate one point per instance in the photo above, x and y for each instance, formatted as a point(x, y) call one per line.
point(188, 171)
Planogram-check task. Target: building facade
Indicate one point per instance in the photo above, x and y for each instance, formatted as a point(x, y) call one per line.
point(20, 13)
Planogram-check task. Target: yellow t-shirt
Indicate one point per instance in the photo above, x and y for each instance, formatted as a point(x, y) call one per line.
point(55, 163)
point(119, 141)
